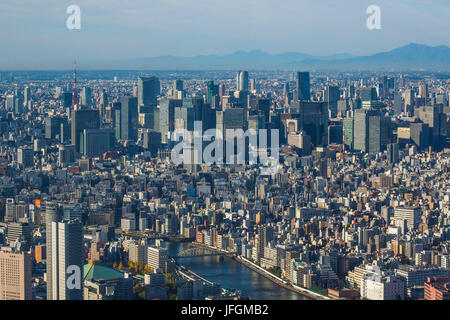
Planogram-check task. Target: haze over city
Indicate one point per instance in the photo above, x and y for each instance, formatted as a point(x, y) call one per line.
point(34, 34)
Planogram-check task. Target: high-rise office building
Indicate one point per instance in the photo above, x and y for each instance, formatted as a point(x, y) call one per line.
point(66, 155)
point(53, 126)
point(368, 94)
point(152, 141)
point(348, 133)
point(97, 141)
point(437, 122)
point(242, 81)
point(335, 135)
point(263, 108)
point(148, 91)
point(423, 91)
point(397, 103)
point(379, 133)
point(252, 85)
point(66, 98)
point(15, 275)
point(27, 94)
point(53, 213)
point(392, 153)
point(212, 90)
point(64, 255)
point(82, 120)
point(314, 121)
point(167, 117)
point(361, 129)
point(128, 119)
point(303, 86)
point(221, 92)
point(331, 96)
point(86, 96)
point(25, 157)
point(420, 135)
point(178, 85)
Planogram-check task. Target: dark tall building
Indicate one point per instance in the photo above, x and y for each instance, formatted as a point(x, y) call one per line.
point(202, 112)
point(129, 119)
point(177, 85)
point(67, 99)
point(97, 142)
point(167, 117)
point(380, 133)
point(148, 91)
point(368, 94)
point(212, 90)
point(331, 96)
point(303, 86)
point(81, 120)
point(335, 134)
point(263, 106)
point(53, 126)
point(437, 121)
point(314, 121)
point(152, 141)
point(392, 153)
point(420, 135)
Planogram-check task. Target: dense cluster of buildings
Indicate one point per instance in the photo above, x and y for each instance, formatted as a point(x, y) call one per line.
point(358, 206)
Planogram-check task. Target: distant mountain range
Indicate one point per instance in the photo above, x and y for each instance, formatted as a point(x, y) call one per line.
point(410, 57)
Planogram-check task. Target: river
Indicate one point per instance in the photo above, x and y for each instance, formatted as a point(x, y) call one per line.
point(233, 275)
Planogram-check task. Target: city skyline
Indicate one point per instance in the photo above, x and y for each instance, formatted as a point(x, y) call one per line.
point(225, 151)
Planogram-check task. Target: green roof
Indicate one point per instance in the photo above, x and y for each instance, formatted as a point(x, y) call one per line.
point(99, 272)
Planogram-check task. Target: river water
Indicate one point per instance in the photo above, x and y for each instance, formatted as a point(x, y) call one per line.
point(233, 275)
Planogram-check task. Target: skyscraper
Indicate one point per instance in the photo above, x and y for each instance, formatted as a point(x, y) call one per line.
point(392, 153)
point(86, 96)
point(212, 90)
point(361, 129)
point(242, 81)
point(167, 117)
point(25, 156)
point(81, 120)
point(314, 121)
point(129, 119)
point(368, 94)
point(53, 126)
point(15, 275)
point(96, 142)
point(303, 86)
point(27, 94)
point(331, 96)
point(53, 213)
point(64, 255)
point(148, 91)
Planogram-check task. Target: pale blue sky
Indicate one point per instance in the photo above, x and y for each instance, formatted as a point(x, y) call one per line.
point(34, 32)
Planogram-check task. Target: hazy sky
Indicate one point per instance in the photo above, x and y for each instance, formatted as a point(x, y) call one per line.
point(33, 32)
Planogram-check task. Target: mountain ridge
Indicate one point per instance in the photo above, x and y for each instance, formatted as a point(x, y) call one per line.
point(409, 57)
